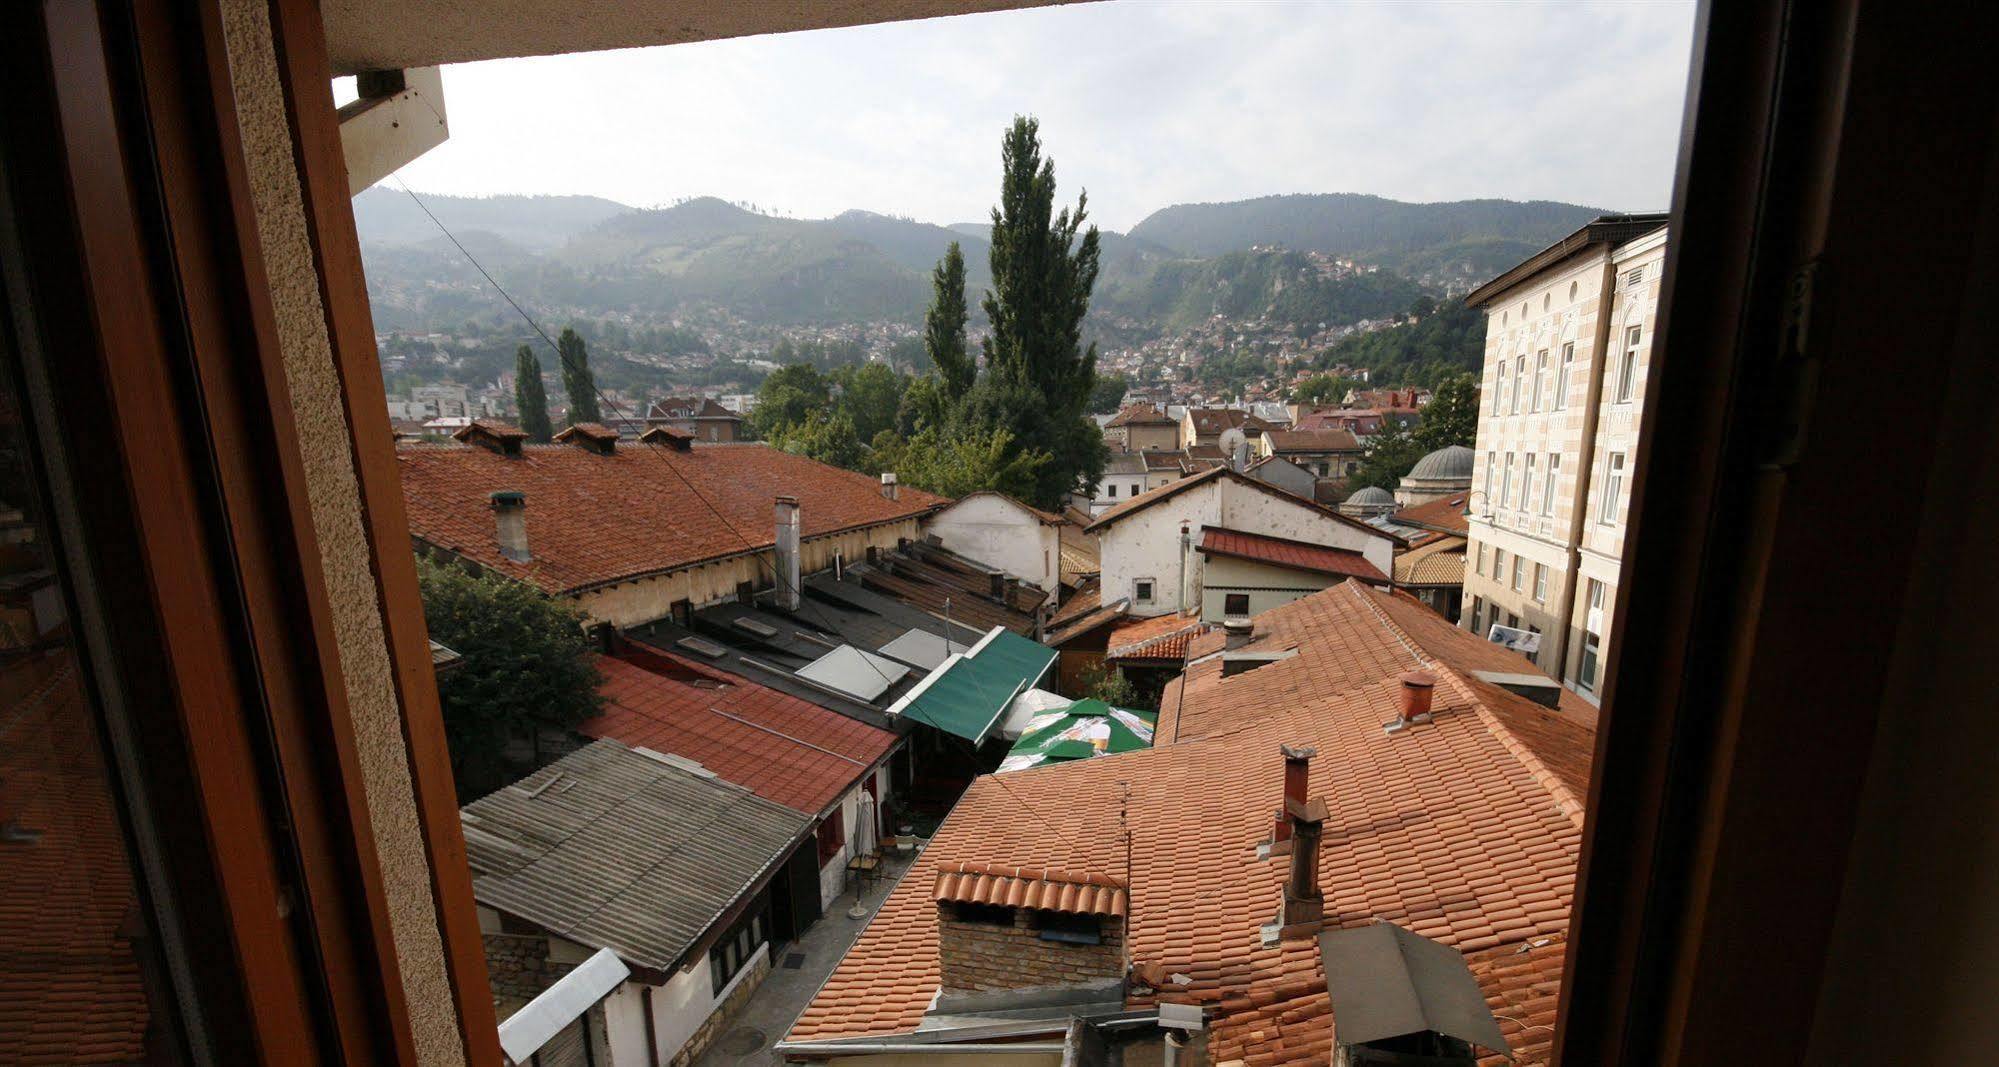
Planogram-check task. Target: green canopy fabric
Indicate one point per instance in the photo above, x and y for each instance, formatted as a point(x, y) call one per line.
point(1084, 729)
point(969, 692)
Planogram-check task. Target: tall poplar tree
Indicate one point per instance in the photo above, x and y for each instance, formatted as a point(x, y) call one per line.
point(944, 325)
point(530, 396)
point(576, 378)
point(1039, 377)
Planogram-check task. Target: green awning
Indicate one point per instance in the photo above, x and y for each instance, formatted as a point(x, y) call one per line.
point(970, 690)
point(1082, 730)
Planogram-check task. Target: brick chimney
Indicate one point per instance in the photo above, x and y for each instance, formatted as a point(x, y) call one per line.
point(786, 553)
point(1301, 911)
point(889, 487)
point(1412, 700)
point(510, 514)
point(1297, 786)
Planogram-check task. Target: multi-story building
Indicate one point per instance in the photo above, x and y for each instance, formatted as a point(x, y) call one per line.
point(1567, 354)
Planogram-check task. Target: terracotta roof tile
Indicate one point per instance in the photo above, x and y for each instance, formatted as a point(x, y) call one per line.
point(1464, 830)
point(1163, 637)
point(779, 747)
point(595, 519)
point(1046, 889)
point(1440, 561)
point(1445, 513)
point(1312, 441)
point(1284, 552)
point(1140, 414)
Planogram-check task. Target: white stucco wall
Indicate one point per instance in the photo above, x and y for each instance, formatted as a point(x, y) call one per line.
point(1266, 586)
point(998, 533)
point(678, 1009)
point(1146, 544)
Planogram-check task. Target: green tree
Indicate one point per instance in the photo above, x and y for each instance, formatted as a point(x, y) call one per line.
point(944, 325)
point(960, 461)
point(1451, 416)
point(1044, 266)
point(1108, 394)
point(530, 396)
point(787, 397)
point(526, 664)
point(1109, 685)
point(826, 437)
point(1322, 389)
point(870, 396)
point(1390, 454)
point(576, 378)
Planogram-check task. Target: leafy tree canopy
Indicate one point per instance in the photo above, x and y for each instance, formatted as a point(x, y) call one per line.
point(527, 663)
point(1390, 454)
point(1451, 417)
point(576, 378)
point(531, 396)
point(1324, 389)
point(1436, 348)
point(1108, 394)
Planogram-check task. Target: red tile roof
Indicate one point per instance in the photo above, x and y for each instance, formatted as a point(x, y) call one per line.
point(593, 519)
point(1312, 441)
point(70, 985)
point(689, 407)
point(1465, 830)
point(1046, 889)
point(781, 748)
point(1164, 637)
point(1215, 420)
point(1446, 514)
point(1140, 414)
point(1284, 552)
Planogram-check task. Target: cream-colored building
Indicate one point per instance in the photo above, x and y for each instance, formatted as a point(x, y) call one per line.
point(1567, 356)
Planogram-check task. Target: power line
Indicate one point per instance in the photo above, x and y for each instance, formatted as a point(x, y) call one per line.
point(581, 373)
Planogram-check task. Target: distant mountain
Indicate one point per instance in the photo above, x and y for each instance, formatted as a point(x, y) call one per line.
point(384, 215)
point(1280, 286)
point(1476, 238)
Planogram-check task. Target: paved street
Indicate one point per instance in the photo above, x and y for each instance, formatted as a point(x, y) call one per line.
point(786, 991)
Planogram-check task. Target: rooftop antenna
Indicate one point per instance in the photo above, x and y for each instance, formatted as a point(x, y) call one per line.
point(947, 626)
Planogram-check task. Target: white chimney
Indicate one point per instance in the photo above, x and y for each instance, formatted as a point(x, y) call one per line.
point(787, 553)
point(510, 512)
point(889, 487)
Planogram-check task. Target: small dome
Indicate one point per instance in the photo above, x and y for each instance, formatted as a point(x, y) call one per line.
point(1373, 494)
point(1452, 464)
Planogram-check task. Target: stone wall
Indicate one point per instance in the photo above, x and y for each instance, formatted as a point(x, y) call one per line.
point(980, 957)
point(718, 1020)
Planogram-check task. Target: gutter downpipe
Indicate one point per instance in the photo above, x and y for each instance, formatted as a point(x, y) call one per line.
point(1586, 469)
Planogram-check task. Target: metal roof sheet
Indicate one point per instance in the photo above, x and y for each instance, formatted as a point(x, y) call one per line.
point(1386, 982)
point(969, 693)
point(851, 670)
point(615, 848)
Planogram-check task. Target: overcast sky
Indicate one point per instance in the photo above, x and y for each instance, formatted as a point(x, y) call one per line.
point(1144, 103)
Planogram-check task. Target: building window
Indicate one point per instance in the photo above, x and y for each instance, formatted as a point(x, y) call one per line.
point(1627, 370)
point(1499, 565)
point(731, 954)
point(1586, 671)
point(1519, 381)
point(1499, 388)
point(1527, 484)
point(1562, 376)
point(1141, 590)
point(1506, 483)
point(982, 914)
point(1519, 572)
point(1613, 489)
point(1479, 566)
point(1111, 490)
point(1477, 613)
point(1236, 605)
point(1548, 483)
point(1491, 463)
point(1541, 582)
point(832, 837)
point(1540, 380)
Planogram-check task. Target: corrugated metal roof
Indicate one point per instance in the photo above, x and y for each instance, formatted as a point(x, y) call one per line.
point(614, 848)
point(967, 695)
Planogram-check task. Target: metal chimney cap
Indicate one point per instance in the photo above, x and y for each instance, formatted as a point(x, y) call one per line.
point(508, 498)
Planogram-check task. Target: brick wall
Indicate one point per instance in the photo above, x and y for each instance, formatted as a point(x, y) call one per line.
point(978, 957)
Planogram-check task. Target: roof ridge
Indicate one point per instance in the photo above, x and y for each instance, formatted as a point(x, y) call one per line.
point(1480, 693)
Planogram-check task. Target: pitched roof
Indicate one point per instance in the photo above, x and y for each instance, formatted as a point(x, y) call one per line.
point(613, 848)
point(1170, 489)
point(689, 407)
point(1215, 420)
point(1326, 440)
point(1162, 637)
point(781, 747)
point(1140, 415)
point(597, 519)
point(1284, 552)
point(1445, 514)
point(1457, 830)
point(968, 693)
point(1439, 562)
point(1046, 518)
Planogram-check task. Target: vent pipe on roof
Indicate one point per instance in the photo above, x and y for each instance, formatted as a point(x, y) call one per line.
point(510, 514)
point(1237, 632)
point(1413, 698)
point(889, 487)
point(1303, 910)
point(786, 550)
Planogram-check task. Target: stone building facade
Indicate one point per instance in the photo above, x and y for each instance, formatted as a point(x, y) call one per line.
point(1568, 352)
point(986, 949)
